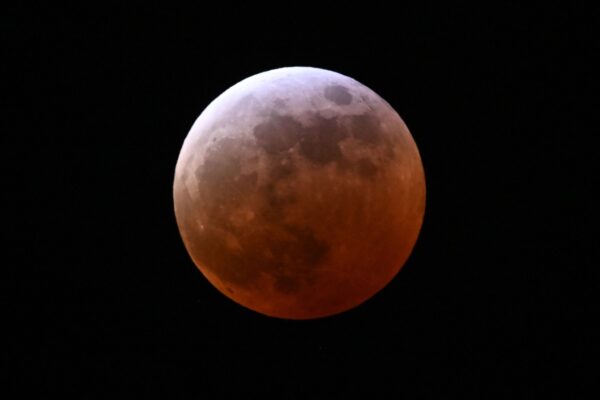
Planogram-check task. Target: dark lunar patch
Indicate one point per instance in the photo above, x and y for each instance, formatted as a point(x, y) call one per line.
point(279, 103)
point(281, 169)
point(320, 143)
point(366, 168)
point(275, 202)
point(366, 128)
point(338, 94)
point(278, 133)
point(298, 258)
point(285, 284)
point(308, 249)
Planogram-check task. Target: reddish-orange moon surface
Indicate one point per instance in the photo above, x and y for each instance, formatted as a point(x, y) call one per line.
point(299, 193)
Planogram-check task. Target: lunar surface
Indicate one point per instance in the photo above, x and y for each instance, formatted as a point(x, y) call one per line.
point(299, 193)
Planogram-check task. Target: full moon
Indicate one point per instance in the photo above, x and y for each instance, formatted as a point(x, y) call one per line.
point(299, 193)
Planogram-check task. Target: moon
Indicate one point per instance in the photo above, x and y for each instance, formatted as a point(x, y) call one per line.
point(299, 193)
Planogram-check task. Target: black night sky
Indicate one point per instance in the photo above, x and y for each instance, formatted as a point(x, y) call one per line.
point(496, 300)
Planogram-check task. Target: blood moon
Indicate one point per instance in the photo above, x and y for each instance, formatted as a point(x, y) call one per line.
point(299, 193)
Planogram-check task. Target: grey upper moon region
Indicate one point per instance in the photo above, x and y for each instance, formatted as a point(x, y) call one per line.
point(299, 193)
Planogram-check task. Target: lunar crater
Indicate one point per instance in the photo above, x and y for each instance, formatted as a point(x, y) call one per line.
point(338, 94)
point(279, 133)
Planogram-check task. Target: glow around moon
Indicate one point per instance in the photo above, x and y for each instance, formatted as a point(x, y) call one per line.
point(299, 193)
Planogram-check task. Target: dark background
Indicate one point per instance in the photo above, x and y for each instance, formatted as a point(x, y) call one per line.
point(497, 299)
